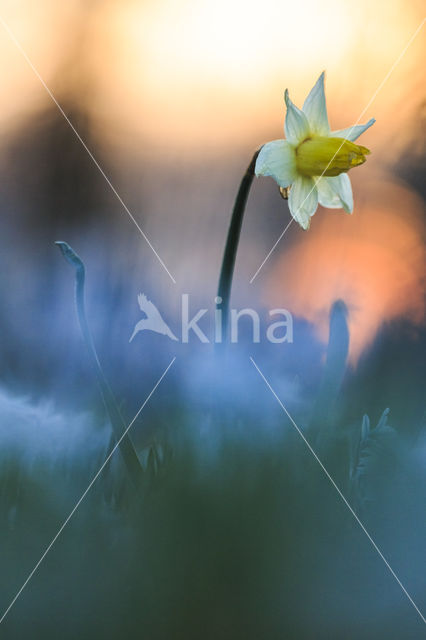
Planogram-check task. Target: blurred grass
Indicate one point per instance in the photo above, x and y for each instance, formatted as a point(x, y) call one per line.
point(248, 541)
point(237, 532)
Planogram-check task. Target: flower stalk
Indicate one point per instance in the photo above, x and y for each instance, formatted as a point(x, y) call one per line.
point(231, 247)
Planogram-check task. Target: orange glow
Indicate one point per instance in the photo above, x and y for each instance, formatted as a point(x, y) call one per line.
point(373, 260)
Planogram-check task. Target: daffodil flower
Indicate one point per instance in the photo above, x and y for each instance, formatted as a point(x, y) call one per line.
point(313, 160)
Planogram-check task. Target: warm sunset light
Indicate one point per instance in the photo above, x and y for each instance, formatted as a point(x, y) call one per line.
point(203, 74)
point(216, 69)
point(234, 42)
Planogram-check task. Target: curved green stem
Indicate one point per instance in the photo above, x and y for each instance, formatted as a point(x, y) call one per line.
point(231, 247)
point(126, 447)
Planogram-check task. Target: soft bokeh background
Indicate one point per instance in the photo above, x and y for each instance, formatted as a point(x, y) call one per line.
point(172, 98)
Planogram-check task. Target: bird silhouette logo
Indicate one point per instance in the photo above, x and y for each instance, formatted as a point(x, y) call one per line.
point(153, 320)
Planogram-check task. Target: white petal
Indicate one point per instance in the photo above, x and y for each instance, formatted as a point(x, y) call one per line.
point(352, 133)
point(345, 192)
point(335, 193)
point(296, 126)
point(278, 160)
point(327, 195)
point(315, 109)
point(303, 200)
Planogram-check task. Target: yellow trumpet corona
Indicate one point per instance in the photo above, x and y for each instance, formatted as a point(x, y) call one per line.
point(322, 156)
